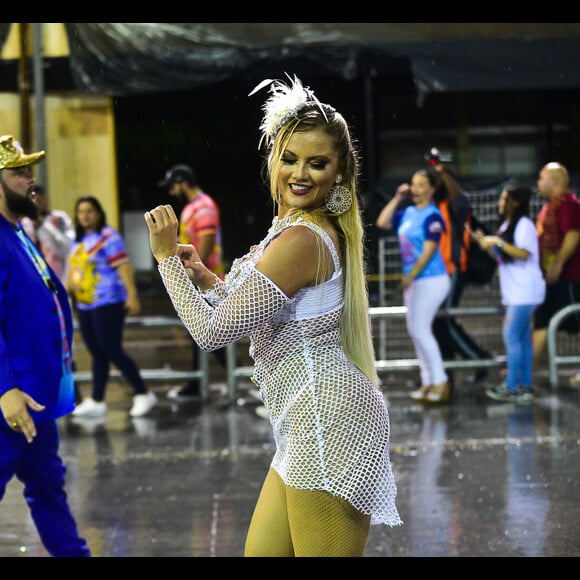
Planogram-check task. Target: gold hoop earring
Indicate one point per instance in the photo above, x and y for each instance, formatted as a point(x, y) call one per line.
point(338, 199)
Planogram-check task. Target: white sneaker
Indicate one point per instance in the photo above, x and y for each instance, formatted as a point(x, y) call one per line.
point(90, 408)
point(143, 404)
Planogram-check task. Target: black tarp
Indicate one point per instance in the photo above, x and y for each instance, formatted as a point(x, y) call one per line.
point(136, 58)
point(123, 59)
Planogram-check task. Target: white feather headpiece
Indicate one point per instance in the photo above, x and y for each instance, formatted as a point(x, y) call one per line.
point(285, 102)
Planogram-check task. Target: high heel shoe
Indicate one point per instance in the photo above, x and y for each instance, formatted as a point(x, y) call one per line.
point(439, 393)
point(420, 393)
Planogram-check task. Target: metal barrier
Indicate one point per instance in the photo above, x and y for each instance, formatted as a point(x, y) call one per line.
point(162, 374)
point(235, 373)
point(390, 365)
point(390, 274)
point(553, 359)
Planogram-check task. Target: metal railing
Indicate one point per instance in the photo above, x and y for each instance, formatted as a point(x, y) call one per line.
point(235, 372)
point(164, 373)
point(553, 358)
point(405, 364)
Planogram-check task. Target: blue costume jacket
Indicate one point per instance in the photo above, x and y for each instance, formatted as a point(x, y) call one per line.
point(30, 329)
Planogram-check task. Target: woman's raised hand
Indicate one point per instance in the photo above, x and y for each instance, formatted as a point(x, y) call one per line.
point(163, 224)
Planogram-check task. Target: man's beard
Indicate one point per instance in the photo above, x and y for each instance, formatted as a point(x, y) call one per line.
point(19, 205)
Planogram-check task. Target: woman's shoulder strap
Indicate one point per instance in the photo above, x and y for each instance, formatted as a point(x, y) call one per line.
point(316, 228)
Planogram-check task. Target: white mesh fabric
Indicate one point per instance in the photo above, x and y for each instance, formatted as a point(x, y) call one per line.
point(216, 293)
point(330, 423)
point(255, 301)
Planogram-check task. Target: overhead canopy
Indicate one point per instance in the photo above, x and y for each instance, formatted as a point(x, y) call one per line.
point(123, 59)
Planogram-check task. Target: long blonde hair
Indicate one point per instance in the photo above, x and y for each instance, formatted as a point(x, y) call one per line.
point(355, 326)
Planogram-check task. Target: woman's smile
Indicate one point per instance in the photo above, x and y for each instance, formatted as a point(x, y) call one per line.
point(299, 189)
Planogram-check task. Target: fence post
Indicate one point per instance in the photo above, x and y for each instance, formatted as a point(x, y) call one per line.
point(553, 358)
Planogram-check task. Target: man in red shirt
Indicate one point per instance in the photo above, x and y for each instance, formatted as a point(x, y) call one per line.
point(199, 225)
point(558, 227)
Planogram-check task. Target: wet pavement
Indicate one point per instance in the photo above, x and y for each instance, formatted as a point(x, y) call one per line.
point(476, 478)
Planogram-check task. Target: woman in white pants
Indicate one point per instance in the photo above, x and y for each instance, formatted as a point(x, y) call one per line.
point(425, 282)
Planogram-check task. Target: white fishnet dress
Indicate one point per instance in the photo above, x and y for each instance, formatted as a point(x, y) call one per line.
point(330, 423)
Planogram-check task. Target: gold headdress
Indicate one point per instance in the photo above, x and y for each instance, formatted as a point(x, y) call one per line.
point(12, 155)
point(285, 102)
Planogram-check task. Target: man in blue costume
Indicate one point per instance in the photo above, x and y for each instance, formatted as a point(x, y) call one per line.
point(36, 378)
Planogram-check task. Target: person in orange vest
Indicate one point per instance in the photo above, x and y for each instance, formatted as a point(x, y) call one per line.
point(454, 341)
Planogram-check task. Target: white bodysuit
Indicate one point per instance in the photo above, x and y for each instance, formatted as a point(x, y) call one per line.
point(330, 422)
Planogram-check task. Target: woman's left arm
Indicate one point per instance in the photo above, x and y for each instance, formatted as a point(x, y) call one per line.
point(488, 243)
point(133, 304)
